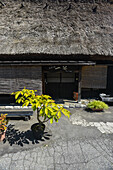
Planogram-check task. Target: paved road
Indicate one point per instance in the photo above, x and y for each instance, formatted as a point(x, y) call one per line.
point(64, 146)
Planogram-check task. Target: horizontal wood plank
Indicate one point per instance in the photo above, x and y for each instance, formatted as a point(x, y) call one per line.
point(13, 78)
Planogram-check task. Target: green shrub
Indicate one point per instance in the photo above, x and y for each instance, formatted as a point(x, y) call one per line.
point(46, 107)
point(96, 104)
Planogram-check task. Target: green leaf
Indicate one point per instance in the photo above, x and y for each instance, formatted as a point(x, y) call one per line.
point(34, 107)
point(56, 119)
point(97, 104)
point(45, 117)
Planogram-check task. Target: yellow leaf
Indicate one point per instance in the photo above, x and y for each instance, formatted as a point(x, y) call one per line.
point(41, 112)
point(51, 110)
point(56, 108)
point(17, 94)
point(46, 104)
point(66, 112)
point(51, 120)
point(46, 111)
point(59, 114)
point(37, 104)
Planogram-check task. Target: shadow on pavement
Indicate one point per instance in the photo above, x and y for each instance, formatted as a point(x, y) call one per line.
point(92, 111)
point(14, 136)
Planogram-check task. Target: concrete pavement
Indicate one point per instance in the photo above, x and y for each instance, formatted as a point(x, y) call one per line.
point(65, 145)
point(103, 121)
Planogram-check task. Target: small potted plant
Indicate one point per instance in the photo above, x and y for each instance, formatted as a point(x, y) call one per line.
point(3, 126)
point(97, 105)
point(46, 108)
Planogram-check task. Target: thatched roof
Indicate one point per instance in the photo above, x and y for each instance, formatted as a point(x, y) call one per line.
point(56, 27)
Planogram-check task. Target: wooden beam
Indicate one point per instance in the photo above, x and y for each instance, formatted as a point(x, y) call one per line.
point(100, 57)
point(47, 63)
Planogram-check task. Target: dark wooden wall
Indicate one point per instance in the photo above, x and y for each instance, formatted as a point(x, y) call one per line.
point(13, 78)
point(110, 81)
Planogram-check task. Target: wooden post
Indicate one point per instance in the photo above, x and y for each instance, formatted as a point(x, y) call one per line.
point(79, 84)
point(43, 81)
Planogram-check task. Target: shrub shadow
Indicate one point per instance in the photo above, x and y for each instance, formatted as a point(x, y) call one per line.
point(93, 111)
point(14, 136)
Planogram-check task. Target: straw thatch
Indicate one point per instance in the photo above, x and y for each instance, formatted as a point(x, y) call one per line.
point(55, 27)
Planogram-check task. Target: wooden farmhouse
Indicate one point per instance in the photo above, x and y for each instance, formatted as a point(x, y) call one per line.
point(57, 47)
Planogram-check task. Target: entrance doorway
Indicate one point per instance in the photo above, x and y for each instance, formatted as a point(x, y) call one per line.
point(60, 84)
